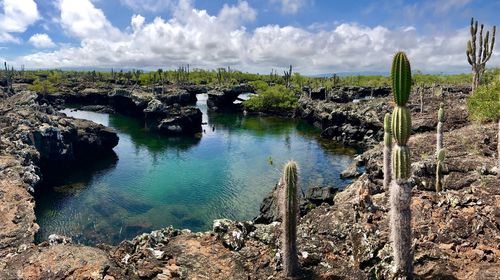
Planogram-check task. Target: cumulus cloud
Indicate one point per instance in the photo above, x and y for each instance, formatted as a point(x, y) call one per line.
point(148, 5)
point(194, 36)
point(290, 6)
point(41, 41)
point(83, 20)
point(16, 17)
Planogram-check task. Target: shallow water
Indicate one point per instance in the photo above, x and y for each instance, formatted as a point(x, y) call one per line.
point(152, 181)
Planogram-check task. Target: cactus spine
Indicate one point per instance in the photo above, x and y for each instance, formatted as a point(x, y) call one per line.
point(289, 215)
point(400, 190)
point(478, 58)
point(387, 150)
point(439, 171)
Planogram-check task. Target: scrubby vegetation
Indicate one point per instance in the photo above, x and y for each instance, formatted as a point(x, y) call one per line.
point(228, 77)
point(272, 98)
point(43, 86)
point(484, 103)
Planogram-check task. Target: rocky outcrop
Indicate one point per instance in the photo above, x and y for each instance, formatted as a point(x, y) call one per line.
point(172, 120)
point(161, 112)
point(359, 123)
point(177, 96)
point(344, 235)
point(32, 134)
point(63, 262)
point(356, 124)
point(353, 94)
point(223, 99)
point(315, 196)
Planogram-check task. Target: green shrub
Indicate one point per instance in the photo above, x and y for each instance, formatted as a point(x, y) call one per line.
point(44, 86)
point(272, 98)
point(484, 103)
point(259, 86)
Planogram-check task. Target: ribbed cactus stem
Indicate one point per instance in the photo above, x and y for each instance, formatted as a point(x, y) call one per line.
point(289, 215)
point(387, 150)
point(401, 236)
point(400, 189)
point(439, 171)
point(439, 133)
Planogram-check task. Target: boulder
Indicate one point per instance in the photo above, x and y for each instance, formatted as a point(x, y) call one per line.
point(232, 234)
point(318, 93)
point(223, 99)
point(352, 171)
point(320, 195)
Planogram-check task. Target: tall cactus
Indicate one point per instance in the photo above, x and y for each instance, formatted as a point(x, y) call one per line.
point(400, 190)
point(9, 74)
point(387, 150)
point(439, 171)
point(289, 224)
point(478, 58)
point(439, 133)
point(288, 77)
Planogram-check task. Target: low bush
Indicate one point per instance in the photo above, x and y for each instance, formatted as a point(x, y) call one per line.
point(484, 104)
point(44, 87)
point(272, 98)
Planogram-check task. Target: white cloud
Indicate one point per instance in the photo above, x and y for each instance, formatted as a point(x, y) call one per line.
point(16, 17)
point(443, 7)
point(83, 20)
point(290, 6)
point(203, 40)
point(41, 41)
point(148, 5)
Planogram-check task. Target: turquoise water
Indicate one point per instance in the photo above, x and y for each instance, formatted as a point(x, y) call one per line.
point(152, 181)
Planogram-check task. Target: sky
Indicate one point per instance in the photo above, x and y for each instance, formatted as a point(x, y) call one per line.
point(314, 36)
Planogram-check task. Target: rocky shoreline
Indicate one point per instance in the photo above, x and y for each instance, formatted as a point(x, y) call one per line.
point(341, 235)
point(169, 112)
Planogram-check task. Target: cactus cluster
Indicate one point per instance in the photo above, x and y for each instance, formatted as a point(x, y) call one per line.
point(477, 57)
point(335, 80)
point(288, 77)
point(387, 150)
point(223, 75)
point(9, 75)
point(289, 214)
point(400, 189)
point(182, 74)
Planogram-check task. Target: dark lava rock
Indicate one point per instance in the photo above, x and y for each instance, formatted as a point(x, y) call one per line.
point(318, 94)
point(177, 96)
point(351, 171)
point(98, 109)
point(223, 99)
point(320, 195)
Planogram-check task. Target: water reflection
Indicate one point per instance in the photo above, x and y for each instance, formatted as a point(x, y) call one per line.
point(184, 181)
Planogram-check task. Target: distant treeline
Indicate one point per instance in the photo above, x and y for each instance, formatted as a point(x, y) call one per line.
point(228, 76)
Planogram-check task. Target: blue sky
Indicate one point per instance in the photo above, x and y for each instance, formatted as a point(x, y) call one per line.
point(315, 36)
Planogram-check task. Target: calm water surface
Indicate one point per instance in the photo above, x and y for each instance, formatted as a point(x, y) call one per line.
point(152, 181)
